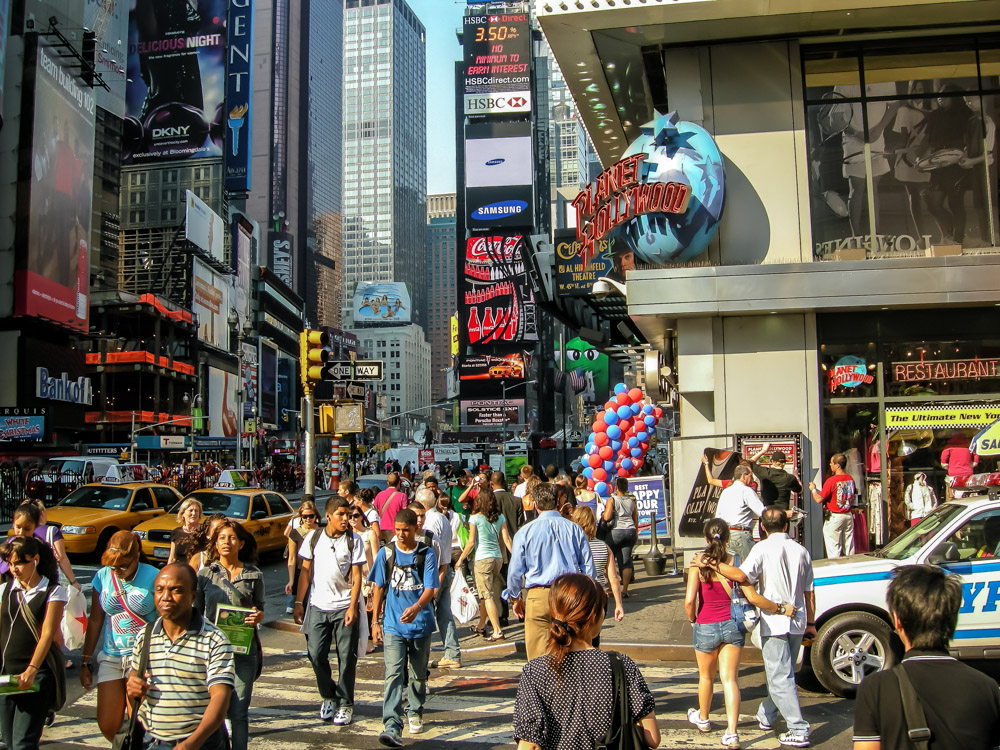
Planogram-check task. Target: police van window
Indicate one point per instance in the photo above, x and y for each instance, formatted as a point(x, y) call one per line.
point(913, 539)
point(979, 538)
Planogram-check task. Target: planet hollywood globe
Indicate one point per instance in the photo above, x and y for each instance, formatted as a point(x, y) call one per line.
point(677, 151)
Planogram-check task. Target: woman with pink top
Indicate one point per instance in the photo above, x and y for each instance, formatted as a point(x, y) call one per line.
point(718, 642)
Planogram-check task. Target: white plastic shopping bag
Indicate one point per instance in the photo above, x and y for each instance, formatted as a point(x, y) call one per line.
point(74, 621)
point(464, 606)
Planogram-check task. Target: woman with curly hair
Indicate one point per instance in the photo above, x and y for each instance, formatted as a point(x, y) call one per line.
point(486, 529)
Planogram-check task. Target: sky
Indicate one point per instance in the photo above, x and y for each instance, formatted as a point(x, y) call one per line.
point(440, 18)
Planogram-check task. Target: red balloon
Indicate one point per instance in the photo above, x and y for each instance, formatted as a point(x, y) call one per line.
point(601, 438)
point(600, 475)
point(625, 425)
point(622, 399)
point(657, 412)
point(590, 484)
point(612, 404)
point(637, 462)
point(594, 460)
point(606, 453)
point(644, 446)
point(599, 425)
point(635, 395)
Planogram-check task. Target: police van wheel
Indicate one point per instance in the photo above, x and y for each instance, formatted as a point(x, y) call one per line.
point(848, 648)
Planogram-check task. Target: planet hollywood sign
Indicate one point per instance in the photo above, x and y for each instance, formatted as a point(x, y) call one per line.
point(618, 195)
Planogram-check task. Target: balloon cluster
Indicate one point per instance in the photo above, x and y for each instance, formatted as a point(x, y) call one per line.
point(619, 439)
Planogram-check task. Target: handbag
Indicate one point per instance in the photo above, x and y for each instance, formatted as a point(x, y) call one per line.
point(131, 733)
point(623, 734)
point(741, 611)
point(604, 527)
point(54, 658)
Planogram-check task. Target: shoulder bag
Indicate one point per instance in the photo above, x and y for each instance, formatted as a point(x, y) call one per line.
point(741, 611)
point(917, 729)
point(623, 734)
point(54, 658)
point(131, 733)
point(120, 593)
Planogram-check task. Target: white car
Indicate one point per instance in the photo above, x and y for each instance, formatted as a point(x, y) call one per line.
point(855, 636)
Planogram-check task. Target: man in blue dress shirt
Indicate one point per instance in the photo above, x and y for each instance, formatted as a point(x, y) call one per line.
point(544, 549)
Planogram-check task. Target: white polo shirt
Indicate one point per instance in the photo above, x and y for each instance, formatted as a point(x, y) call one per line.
point(784, 569)
point(739, 505)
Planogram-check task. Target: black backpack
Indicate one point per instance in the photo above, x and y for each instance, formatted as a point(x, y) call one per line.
point(420, 556)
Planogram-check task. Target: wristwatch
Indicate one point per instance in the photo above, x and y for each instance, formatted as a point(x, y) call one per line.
point(781, 609)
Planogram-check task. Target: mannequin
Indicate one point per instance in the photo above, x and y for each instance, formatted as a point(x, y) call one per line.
point(920, 499)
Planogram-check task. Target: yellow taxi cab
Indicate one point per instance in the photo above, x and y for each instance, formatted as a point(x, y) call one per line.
point(236, 495)
point(89, 515)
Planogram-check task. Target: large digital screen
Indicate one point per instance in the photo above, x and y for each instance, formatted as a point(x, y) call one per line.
point(222, 416)
point(498, 154)
point(497, 52)
point(484, 412)
point(176, 80)
point(381, 302)
point(268, 385)
point(493, 367)
point(211, 304)
point(497, 304)
point(54, 205)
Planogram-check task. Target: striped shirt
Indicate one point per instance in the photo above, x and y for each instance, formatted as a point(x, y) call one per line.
point(181, 672)
point(600, 552)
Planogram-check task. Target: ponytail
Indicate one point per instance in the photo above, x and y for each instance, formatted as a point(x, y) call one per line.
point(574, 601)
point(717, 536)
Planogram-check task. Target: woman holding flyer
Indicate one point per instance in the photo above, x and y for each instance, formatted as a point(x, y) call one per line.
point(121, 605)
point(231, 595)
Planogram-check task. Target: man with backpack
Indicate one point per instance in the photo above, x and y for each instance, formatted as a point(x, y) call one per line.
point(405, 574)
point(388, 503)
point(331, 565)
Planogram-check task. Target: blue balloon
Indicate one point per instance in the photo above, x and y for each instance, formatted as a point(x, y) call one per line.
point(601, 488)
point(621, 388)
point(614, 431)
point(624, 412)
point(636, 452)
point(590, 438)
point(626, 463)
point(616, 445)
point(591, 448)
point(643, 436)
point(636, 409)
point(610, 417)
point(589, 473)
point(633, 442)
point(649, 420)
point(647, 409)
point(609, 466)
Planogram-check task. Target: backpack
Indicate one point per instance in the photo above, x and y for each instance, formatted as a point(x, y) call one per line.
point(419, 557)
point(312, 551)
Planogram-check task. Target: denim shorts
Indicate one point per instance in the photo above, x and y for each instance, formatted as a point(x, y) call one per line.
point(709, 636)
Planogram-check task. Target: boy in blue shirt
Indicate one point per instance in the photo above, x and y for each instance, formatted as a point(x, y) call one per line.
point(405, 575)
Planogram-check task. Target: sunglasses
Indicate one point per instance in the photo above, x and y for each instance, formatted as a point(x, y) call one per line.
point(122, 568)
point(356, 515)
point(308, 515)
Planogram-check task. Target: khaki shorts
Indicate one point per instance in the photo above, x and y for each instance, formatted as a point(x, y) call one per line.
point(488, 577)
point(110, 668)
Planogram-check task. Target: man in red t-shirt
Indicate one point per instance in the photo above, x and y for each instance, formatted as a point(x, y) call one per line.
point(838, 496)
point(388, 503)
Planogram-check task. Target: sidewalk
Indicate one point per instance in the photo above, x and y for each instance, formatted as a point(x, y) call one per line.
point(655, 627)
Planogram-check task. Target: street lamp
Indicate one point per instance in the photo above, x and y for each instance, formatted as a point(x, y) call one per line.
point(241, 333)
point(194, 405)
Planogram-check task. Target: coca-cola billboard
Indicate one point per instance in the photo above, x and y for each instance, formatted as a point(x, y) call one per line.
point(497, 304)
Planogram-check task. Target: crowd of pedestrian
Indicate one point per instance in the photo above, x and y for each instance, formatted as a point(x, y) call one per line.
point(376, 572)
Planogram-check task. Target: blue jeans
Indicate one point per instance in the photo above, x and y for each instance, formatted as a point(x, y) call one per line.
point(397, 652)
point(782, 697)
point(239, 702)
point(709, 636)
point(216, 742)
point(323, 629)
point(445, 620)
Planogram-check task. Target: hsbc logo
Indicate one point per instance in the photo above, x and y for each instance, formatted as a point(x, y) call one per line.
point(488, 104)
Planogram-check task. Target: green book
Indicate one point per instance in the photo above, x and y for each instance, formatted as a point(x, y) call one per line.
point(9, 686)
point(230, 620)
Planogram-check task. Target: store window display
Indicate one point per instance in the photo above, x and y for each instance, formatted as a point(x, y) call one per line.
point(920, 498)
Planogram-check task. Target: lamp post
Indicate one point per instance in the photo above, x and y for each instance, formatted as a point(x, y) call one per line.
point(246, 331)
point(194, 405)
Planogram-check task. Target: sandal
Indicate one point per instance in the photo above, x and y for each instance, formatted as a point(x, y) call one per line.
point(478, 631)
point(496, 637)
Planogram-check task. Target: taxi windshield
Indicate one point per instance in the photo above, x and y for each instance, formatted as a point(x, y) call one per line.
point(106, 498)
point(229, 505)
point(913, 539)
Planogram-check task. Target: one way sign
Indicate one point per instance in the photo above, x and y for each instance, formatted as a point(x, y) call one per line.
point(358, 370)
point(371, 370)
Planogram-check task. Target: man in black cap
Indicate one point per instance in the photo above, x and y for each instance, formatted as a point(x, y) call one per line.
point(776, 484)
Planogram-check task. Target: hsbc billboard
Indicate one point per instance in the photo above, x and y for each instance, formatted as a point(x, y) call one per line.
point(498, 104)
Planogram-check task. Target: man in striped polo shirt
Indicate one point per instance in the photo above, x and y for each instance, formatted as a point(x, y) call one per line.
point(186, 688)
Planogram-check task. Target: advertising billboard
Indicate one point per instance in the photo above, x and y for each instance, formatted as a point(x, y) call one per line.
point(576, 273)
point(492, 412)
point(222, 417)
point(496, 207)
point(242, 263)
point(112, 50)
point(268, 385)
point(498, 154)
point(497, 52)
point(498, 305)
point(498, 104)
point(210, 302)
point(239, 99)
point(280, 260)
point(493, 367)
point(381, 302)
point(202, 226)
point(176, 80)
point(54, 203)
point(249, 379)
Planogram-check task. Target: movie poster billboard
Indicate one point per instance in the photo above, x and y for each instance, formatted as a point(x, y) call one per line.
point(381, 302)
point(498, 305)
point(505, 367)
point(202, 226)
point(492, 412)
point(222, 403)
point(239, 96)
point(704, 497)
point(54, 203)
point(176, 80)
point(576, 273)
point(210, 302)
point(112, 50)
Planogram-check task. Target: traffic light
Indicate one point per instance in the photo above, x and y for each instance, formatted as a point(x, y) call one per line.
point(313, 354)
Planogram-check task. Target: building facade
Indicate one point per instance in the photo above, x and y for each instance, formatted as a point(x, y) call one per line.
point(441, 286)
point(384, 132)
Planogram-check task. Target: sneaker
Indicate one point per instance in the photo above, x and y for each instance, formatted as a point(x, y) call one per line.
point(416, 724)
point(764, 724)
point(326, 710)
point(731, 740)
point(390, 738)
point(794, 739)
point(694, 716)
point(289, 610)
point(343, 716)
point(448, 664)
point(50, 718)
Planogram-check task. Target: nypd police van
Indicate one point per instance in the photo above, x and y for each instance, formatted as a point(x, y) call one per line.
point(855, 636)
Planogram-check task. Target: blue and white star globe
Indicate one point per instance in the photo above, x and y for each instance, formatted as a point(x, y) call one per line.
point(677, 151)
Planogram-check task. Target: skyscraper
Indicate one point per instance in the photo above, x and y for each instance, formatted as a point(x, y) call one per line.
point(441, 286)
point(384, 122)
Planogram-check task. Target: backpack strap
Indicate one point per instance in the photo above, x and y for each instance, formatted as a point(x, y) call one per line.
point(419, 557)
point(916, 722)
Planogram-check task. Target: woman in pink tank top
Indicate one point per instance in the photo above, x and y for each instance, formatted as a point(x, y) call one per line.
point(718, 642)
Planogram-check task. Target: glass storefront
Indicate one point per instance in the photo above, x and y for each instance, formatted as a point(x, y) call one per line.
point(902, 147)
point(898, 389)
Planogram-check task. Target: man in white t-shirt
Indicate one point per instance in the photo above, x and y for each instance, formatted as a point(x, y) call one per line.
point(332, 562)
point(525, 474)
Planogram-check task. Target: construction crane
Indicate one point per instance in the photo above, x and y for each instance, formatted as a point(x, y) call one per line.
point(105, 10)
